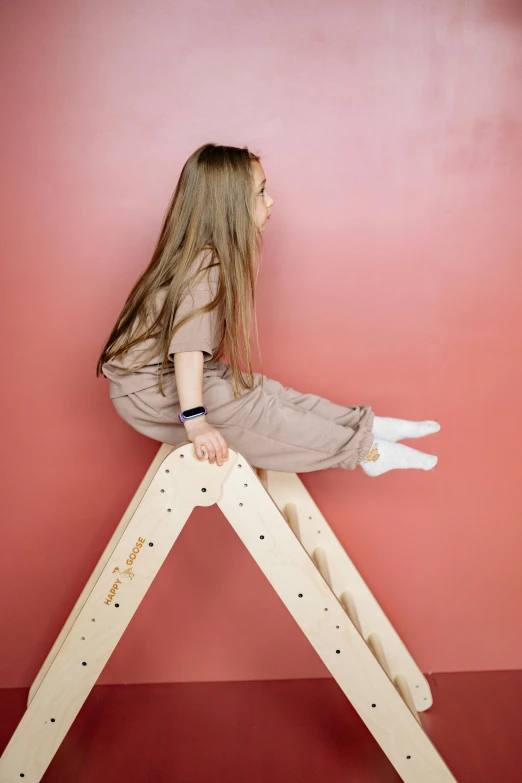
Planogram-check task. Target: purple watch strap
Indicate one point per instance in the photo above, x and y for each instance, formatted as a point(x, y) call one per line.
point(183, 419)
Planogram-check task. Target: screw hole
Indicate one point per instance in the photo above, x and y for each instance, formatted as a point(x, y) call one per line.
point(167, 471)
point(337, 651)
point(150, 542)
point(261, 536)
point(83, 638)
point(203, 489)
point(116, 605)
point(84, 663)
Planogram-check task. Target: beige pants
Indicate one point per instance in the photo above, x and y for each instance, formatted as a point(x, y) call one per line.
point(273, 426)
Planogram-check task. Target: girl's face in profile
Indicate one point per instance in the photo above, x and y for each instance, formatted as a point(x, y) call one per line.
point(263, 202)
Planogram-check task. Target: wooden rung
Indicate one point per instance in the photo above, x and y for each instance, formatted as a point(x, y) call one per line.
point(263, 477)
point(321, 561)
point(290, 514)
point(350, 608)
point(404, 689)
point(374, 643)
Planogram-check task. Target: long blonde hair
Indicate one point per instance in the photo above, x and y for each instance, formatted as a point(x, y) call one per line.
point(212, 207)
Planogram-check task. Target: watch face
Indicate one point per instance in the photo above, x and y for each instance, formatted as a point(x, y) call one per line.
point(194, 412)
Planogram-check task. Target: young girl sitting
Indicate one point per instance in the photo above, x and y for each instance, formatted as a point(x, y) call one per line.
point(180, 338)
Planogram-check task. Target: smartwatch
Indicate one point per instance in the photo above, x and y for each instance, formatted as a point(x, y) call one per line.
point(193, 413)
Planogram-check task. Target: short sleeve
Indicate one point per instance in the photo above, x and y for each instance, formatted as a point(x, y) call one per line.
point(203, 332)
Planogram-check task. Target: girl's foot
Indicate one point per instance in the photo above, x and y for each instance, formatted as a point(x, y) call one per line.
point(385, 455)
point(398, 429)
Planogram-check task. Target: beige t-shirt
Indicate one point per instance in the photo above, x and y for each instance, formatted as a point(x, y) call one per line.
point(202, 333)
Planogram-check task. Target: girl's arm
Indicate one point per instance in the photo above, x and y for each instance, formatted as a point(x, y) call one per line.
point(188, 369)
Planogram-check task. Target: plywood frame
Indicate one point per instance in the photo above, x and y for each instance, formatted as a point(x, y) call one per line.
point(284, 531)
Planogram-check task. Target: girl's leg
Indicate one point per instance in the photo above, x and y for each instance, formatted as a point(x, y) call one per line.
point(273, 431)
point(346, 416)
point(384, 428)
point(384, 454)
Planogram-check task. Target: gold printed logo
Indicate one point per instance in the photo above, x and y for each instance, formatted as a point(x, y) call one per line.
point(373, 455)
point(127, 573)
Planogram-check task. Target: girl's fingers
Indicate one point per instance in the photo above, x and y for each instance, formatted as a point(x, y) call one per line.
point(214, 451)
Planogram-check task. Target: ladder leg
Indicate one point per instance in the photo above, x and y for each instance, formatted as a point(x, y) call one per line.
point(163, 452)
point(320, 542)
point(257, 520)
point(113, 597)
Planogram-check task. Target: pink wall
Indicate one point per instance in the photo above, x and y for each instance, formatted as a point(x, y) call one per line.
point(391, 134)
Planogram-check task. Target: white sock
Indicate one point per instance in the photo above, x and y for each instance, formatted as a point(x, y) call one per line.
point(398, 429)
point(385, 455)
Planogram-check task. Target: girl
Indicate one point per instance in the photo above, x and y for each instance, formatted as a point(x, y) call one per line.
point(192, 309)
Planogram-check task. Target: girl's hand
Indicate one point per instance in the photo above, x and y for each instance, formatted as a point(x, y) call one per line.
point(208, 442)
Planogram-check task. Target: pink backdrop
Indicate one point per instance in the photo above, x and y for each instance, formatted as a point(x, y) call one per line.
point(391, 135)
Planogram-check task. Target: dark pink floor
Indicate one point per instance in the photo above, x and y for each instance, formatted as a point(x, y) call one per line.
point(282, 731)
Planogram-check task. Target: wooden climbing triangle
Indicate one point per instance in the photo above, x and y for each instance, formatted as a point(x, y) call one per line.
point(290, 540)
